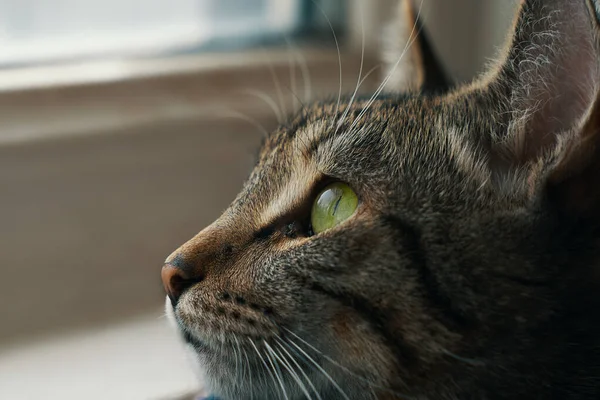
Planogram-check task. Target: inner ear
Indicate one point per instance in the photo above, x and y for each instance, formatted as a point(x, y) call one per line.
point(549, 76)
point(410, 59)
point(546, 92)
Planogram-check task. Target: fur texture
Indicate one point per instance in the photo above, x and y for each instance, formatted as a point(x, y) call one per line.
point(470, 269)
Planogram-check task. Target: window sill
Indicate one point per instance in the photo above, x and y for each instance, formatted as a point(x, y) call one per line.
point(68, 100)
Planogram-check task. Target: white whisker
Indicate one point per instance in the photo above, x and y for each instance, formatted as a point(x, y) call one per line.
point(345, 369)
point(306, 79)
point(244, 117)
point(246, 373)
point(333, 382)
point(358, 81)
point(263, 361)
point(236, 381)
point(276, 83)
point(369, 72)
point(268, 100)
point(286, 365)
point(248, 367)
point(292, 66)
point(339, 54)
point(291, 357)
point(276, 370)
point(470, 361)
point(411, 39)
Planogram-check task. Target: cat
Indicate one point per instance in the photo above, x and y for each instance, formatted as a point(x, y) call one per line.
point(428, 242)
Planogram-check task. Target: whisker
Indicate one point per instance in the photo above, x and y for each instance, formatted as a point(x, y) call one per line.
point(236, 381)
point(302, 105)
point(409, 42)
point(343, 368)
point(299, 379)
point(276, 370)
point(292, 66)
point(268, 100)
point(286, 365)
point(245, 372)
point(249, 369)
point(358, 81)
point(276, 82)
point(292, 358)
point(244, 117)
point(264, 378)
point(333, 382)
point(470, 361)
point(369, 72)
point(306, 79)
point(339, 54)
point(263, 361)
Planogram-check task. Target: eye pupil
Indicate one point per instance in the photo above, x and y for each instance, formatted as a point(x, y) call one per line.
point(334, 204)
point(337, 204)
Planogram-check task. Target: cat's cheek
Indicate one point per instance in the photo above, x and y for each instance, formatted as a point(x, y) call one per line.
point(361, 349)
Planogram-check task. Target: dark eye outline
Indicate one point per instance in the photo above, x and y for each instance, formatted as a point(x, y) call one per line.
point(297, 222)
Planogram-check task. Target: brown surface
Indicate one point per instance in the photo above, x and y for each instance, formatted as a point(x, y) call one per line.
point(87, 223)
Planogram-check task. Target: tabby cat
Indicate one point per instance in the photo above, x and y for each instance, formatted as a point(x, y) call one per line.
point(429, 242)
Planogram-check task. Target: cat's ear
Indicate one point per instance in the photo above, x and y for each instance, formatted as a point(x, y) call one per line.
point(409, 59)
point(548, 87)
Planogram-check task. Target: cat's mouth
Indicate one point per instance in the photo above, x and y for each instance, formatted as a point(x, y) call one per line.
point(184, 332)
point(211, 330)
point(221, 355)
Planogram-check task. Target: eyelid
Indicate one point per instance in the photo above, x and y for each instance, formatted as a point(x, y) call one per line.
point(300, 215)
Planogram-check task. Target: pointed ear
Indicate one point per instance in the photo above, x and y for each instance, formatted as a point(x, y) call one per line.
point(547, 86)
point(409, 58)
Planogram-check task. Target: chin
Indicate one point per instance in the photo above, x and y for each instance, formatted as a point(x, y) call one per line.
point(213, 370)
point(231, 374)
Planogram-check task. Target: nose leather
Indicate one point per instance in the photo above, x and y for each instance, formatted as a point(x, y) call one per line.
point(191, 263)
point(177, 277)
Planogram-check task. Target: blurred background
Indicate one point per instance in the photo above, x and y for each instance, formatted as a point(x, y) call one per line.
point(126, 127)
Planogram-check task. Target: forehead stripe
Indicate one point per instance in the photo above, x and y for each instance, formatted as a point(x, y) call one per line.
point(298, 185)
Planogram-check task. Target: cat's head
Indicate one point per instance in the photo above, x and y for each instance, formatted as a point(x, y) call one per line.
point(415, 244)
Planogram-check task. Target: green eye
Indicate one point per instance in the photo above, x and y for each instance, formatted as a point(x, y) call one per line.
point(335, 204)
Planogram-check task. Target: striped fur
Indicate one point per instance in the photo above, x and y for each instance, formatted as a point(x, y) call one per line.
point(470, 269)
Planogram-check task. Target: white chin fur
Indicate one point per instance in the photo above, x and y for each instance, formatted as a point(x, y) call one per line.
point(170, 313)
point(189, 349)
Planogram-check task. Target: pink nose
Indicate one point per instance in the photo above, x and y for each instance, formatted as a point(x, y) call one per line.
point(176, 279)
